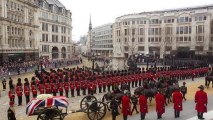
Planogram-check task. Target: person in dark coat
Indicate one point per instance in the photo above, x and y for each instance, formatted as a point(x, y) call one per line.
point(201, 101)
point(114, 108)
point(134, 100)
point(4, 84)
point(184, 90)
point(11, 113)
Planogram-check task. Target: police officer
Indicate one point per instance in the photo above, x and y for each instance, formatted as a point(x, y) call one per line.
point(201, 101)
point(11, 83)
point(114, 108)
point(184, 90)
point(4, 84)
point(134, 100)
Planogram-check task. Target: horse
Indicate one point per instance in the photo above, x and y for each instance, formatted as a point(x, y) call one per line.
point(168, 92)
point(149, 93)
point(208, 80)
point(108, 97)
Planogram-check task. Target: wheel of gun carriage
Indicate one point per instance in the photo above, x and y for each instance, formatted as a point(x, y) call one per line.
point(50, 114)
point(86, 102)
point(96, 111)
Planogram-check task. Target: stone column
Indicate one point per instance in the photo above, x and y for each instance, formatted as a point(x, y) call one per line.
point(193, 34)
point(146, 46)
point(207, 32)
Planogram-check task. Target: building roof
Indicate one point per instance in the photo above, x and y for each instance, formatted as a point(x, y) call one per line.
point(170, 10)
point(55, 2)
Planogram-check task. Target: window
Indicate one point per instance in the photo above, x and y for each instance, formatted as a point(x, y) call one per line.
point(141, 40)
point(133, 39)
point(140, 48)
point(126, 48)
point(141, 31)
point(168, 30)
point(200, 38)
point(168, 48)
point(200, 29)
point(126, 32)
point(43, 37)
point(133, 31)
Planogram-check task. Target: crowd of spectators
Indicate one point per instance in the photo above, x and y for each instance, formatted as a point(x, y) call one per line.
point(17, 67)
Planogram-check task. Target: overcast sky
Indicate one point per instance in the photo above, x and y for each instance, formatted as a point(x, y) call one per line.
point(105, 11)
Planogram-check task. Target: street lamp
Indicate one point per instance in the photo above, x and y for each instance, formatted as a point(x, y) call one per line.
point(93, 62)
point(147, 60)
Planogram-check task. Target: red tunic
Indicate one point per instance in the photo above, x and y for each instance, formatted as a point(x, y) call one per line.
point(18, 91)
point(160, 102)
point(201, 99)
point(11, 94)
point(143, 104)
point(41, 88)
point(26, 90)
point(177, 100)
point(126, 108)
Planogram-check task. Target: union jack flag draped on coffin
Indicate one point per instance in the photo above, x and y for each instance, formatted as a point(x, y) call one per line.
point(58, 101)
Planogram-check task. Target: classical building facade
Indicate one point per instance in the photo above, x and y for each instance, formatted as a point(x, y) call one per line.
point(102, 43)
point(178, 31)
point(18, 30)
point(55, 30)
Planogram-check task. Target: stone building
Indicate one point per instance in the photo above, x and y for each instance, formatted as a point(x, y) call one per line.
point(18, 30)
point(102, 43)
point(181, 32)
point(55, 30)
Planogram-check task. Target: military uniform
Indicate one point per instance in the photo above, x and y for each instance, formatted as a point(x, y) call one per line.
point(27, 93)
point(19, 94)
point(160, 104)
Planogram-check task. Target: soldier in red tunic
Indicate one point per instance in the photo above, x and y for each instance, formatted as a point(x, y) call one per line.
point(72, 87)
point(41, 87)
point(54, 88)
point(143, 105)
point(160, 104)
point(11, 95)
point(60, 87)
point(100, 83)
point(126, 105)
point(27, 93)
point(177, 100)
point(78, 88)
point(47, 87)
point(201, 101)
point(34, 91)
point(83, 87)
point(19, 94)
point(66, 88)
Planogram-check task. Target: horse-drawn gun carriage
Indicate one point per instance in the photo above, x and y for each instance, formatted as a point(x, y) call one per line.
point(48, 107)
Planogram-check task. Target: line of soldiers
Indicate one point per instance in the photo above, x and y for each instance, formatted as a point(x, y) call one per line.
point(80, 79)
point(201, 100)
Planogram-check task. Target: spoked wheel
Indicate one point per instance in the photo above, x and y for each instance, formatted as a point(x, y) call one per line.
point(96, 111)
point(50, 114)
point(86, 101)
